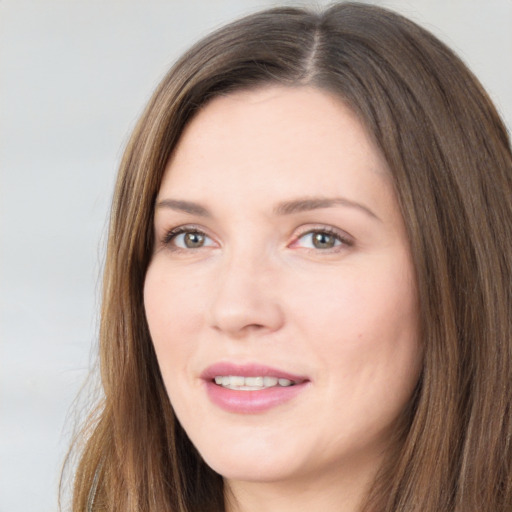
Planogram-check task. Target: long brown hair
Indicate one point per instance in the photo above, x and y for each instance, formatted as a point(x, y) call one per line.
point(451, 165)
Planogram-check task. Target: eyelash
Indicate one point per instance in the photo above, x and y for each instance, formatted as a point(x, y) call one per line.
point(344, 240)
point(173, 233)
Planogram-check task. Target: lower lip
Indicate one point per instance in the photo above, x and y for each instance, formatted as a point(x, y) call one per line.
point(252, 402)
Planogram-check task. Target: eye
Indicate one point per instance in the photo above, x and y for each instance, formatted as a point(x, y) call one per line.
point(322, 239)
point(187, 238)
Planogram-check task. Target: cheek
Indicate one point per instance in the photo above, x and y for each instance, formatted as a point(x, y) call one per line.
point(364, 328)
point(360, 304)
point(170, 299)
point(173, 315)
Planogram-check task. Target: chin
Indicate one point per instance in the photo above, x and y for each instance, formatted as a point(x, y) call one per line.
point(251, 463)
point(251, 471)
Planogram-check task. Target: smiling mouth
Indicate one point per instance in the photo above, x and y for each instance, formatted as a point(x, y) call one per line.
point(240, 383)
point(251, 388)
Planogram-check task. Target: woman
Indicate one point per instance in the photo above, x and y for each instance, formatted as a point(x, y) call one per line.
point(307, 295)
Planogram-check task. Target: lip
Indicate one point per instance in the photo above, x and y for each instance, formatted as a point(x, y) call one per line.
point(250, 402)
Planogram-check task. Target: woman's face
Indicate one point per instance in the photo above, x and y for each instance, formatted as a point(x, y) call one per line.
point(281, 296)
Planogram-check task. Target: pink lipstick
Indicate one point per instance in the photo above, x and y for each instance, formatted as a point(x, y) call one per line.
point(250, 389)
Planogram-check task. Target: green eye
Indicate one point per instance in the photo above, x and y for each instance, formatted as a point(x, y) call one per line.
point(192, 240)
point(323, 240)
point(319, 240)
point(183, 238)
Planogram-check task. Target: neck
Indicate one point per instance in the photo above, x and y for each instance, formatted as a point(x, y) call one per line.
point(328, 493)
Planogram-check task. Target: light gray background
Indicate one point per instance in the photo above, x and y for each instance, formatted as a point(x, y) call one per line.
point(74, 75)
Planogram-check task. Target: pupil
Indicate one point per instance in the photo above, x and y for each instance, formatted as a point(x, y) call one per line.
point(193, 240)
point(323, 241)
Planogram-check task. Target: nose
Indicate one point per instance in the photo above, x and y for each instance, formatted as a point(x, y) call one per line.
point(246, 301)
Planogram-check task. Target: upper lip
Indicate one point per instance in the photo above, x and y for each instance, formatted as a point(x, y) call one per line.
point(248, 370)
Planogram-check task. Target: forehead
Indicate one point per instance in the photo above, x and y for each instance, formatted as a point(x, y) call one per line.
point(275, 138)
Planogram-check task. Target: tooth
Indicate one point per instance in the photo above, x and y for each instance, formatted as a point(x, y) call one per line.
point(254, 381)
point(269, 382)
point(236, 380)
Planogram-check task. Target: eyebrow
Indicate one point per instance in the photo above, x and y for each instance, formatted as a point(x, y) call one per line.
point(284, 208)
point(315, 203)
point(184, 206)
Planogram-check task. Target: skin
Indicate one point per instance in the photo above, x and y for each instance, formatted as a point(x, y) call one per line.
point(257, 289)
